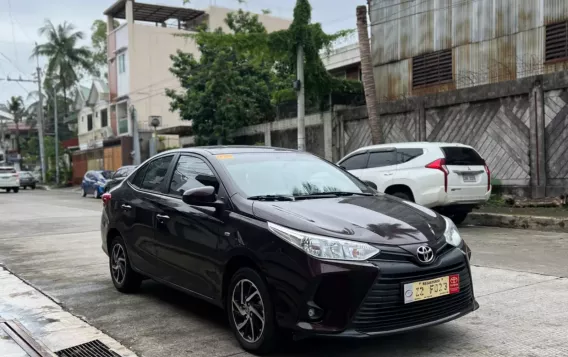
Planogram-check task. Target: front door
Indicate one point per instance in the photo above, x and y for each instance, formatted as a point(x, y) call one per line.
point(187, 239)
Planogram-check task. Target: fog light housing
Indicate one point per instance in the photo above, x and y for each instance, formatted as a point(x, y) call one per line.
point(314, 312)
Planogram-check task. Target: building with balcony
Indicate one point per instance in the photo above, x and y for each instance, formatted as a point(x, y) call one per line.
point(344, 62)
point(139, 60)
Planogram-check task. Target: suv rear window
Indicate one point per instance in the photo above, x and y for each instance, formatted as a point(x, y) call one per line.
point(456, 155)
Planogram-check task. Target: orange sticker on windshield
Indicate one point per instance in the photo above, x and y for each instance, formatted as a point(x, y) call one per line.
point(224, 157)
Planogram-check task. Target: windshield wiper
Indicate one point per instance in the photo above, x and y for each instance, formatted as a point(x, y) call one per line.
point(272, 198)
point(333, 194)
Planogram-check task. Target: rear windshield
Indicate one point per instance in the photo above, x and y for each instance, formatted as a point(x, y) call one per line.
point(462, 156)
point(8, 170)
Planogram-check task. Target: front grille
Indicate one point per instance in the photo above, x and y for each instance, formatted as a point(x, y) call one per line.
point(384, 309)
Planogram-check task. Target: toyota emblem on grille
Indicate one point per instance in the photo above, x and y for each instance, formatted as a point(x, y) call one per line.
point(425, 254)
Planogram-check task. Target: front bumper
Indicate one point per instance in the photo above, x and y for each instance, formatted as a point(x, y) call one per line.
point(365, 299)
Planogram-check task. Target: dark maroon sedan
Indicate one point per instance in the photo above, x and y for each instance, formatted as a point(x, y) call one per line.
point(284, 240)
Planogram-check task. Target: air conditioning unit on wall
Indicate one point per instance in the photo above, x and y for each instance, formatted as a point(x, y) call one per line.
point(107, 132)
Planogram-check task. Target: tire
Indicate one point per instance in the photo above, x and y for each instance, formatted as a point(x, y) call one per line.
point(124, 278)
point(8, 190)
point(402, 196)
point(16, 189)
point(84, 193)
point(264, 339)
point(24, 187)
point(33, 187)
point(458, 218)
point(96, 193)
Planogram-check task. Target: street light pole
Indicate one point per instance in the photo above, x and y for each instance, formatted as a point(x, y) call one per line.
point(40, 125)
point(55, 118)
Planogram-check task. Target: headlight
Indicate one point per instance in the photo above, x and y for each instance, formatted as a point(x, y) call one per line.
point(324, 247)
point(451, 233)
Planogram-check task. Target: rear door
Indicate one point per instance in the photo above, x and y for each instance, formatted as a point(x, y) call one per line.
point(381, 168)
point(141, 209)
point(468, 177)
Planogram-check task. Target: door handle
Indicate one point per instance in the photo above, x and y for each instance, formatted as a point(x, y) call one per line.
point(162, 217)
point(389, 174)
point(126, 207)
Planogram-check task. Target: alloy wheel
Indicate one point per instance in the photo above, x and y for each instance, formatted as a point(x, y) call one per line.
point(247, 309)
point(118, 264)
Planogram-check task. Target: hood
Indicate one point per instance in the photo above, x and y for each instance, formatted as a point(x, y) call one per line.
point(383, 220)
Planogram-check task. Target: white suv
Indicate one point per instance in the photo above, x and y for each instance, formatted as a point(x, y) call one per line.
point(450, 178)
point(9, 179)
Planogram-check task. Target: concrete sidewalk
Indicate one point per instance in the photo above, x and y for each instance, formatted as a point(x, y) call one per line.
point(52, 328)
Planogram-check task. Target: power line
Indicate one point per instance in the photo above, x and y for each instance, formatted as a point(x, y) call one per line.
point(12, 63)
point(13, 33)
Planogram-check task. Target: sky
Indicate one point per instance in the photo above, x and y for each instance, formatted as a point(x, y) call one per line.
point(20, 20)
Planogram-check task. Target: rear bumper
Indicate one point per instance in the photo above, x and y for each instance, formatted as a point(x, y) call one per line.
point(9, 183)
point(438, 197)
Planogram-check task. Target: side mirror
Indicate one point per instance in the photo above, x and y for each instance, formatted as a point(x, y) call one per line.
point(202, 196)
point(371, 184)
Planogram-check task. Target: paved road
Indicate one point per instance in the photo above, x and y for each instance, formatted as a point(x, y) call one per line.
point(51, 239)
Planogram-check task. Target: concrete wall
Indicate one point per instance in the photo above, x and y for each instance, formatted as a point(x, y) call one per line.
point(150, 71)
point(217, 16)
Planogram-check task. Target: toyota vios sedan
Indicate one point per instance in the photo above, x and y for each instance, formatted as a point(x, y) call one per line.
point(284, 240)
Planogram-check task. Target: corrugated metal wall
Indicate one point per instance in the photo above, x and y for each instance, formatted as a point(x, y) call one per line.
point(492, 40)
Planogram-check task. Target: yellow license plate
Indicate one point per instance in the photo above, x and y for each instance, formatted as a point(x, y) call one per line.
point(430, 289)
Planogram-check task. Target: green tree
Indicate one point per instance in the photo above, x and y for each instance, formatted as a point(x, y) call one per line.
point(65, 57)
point(99, 44)
point(16, 107)
point(224, 89)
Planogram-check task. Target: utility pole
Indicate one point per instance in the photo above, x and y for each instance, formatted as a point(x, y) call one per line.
point(301, 100)
point(55, 119)
point(40, 123)
point(135, 135)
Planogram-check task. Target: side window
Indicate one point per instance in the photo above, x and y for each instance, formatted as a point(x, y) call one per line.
point(191, 172)
point(405, 155)
point(139, 176)
point(355, 162)
point(90, 176)
point(156, 173)
point(381, 159)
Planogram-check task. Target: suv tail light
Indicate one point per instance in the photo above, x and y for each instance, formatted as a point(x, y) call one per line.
point(440, 164)
point(106, 198)
point(488, 177)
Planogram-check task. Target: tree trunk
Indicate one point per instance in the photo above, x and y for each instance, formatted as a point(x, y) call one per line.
point(368, 77)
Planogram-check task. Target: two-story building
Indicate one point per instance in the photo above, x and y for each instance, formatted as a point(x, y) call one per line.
point(139, 60)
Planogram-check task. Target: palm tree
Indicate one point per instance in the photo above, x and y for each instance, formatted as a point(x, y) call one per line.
point(368, 77)
point(16, 107)
point(65, 57)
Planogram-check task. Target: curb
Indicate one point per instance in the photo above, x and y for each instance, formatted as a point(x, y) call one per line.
point(537, 223)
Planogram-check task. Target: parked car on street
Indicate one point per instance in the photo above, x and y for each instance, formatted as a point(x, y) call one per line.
point(9, 179)
point(27, 180)
point(118, 176)
point(284, 240)
point(94, 183)
point(452, 179)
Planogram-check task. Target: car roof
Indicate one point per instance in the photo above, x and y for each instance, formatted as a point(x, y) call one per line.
point(232, 149)
point(413, 144)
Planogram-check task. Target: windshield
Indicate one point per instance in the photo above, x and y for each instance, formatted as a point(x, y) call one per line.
point(287, 174)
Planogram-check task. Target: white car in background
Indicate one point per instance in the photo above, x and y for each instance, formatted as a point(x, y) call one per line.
point(9, 179)
point(452, 179)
